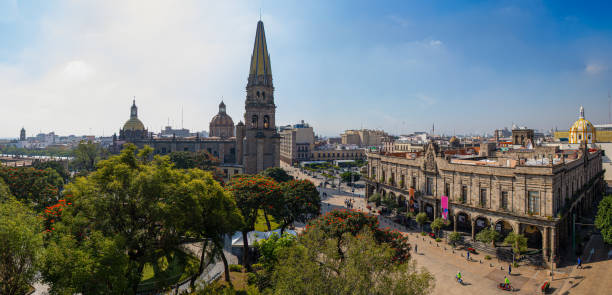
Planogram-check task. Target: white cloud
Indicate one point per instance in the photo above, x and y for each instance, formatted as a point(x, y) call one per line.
point(435, 43)
point(594, 69)
point(93, 56)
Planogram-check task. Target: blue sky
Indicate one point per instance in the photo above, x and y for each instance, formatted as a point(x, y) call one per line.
point(467, 66)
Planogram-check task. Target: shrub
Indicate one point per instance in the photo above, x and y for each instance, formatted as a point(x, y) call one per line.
point(251, 278)
point(235, 267)
point(515, 264)
point(423, 233)
point(257, 266)
point(454, 237)
point(438, 240)
point(487, 257)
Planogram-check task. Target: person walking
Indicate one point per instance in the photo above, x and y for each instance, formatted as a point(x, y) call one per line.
point(509, 269)
point(415, 248)
point(579, 263)
point(468, 255)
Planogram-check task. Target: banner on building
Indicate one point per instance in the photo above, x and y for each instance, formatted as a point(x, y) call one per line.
point(411, 202)
point(444, 203)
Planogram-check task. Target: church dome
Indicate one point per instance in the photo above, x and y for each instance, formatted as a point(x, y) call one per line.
point(453, 140)
point(582, 130)
point(221, 124)
point(222, 118)
point(133, 124)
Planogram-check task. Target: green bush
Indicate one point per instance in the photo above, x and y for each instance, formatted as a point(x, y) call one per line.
point(235, 267)
point(487, 257)
point(257, 266)
point(438, 240)
point(454, 237)
point(423, 233)
point(515, 264)
point(251, 278)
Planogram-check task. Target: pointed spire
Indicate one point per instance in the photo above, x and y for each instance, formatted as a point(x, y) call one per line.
point(260, 60)
point(222, 107)
point(581, 112)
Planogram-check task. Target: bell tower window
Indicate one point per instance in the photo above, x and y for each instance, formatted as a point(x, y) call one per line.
point(263, 94)
point(257, 94)
point(266, 121)
point(254, 120)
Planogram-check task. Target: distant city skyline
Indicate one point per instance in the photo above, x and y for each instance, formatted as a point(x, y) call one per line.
point(73, 68)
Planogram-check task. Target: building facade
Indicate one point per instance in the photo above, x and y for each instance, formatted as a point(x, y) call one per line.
point(297, 143)
point(532, 192)
point(364, 137)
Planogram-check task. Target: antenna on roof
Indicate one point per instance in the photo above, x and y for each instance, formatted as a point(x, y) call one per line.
point(181, 117)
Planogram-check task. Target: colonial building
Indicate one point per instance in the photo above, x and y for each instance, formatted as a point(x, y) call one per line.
point(297, 143)
point(536, 192)
point(364, 137)
point(253, 148)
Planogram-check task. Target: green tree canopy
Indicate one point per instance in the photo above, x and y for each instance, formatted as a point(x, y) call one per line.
point(336, 223)
point(454, 237)
point(210, 213)
point(38, 188)
point(251, 193)
point(58, 166)
point(603, 220)
point(126, 207)
point(87, 155)
point(313, 266)
point(438, 223)
point(518, 242)
point(488, 235)
point(20, 244)
point(350, 177)
point(301, 202)
point(277, 173)
point(421, 218)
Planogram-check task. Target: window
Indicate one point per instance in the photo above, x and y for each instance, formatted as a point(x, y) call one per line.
point(266, 120)
point(429, 186)
point(254, 120)
point(447, 189)
point(533, 202)
point(392, 182)
point(464, 193)
point(413, 182)
point(163, 150)
point(483, 197)
point(504, 200)
point(186, 149)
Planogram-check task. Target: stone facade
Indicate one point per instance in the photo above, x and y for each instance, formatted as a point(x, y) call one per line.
point(522, 136)
point(533, 196)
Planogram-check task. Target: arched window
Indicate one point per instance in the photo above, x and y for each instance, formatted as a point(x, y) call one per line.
point(266, 121)
point(257, 93)
point(254, 121)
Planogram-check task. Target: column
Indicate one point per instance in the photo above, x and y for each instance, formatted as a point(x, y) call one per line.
point(454, 222)
point(553, 242)
point(435, 208)
point(473, 228)
point(545, 242)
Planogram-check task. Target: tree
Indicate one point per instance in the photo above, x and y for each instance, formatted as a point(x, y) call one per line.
point(312, 266)
point(518, 243)
point(128, 202)
point(350, 177)
point(277, 173)
point(454, 237)
point(38, 188)
point(421, 218)
point(438, 223)
point(301, 202)
point(20, 244)
point(269, 250)
point(58, 166)
point(603, 220)
point(336, 223)
point(87, 155)
point(211, 214)
point(488, 235)
point(251, 193)
point(375, 198)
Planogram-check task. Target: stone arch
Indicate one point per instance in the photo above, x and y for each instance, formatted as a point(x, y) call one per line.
point(429, 210)
point(401, 201)
point(480, 223)
point(503, 227)
point(392, 196)
point(533, 235)
point(464, 222)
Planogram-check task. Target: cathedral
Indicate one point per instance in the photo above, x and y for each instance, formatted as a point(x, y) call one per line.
point(248, 147)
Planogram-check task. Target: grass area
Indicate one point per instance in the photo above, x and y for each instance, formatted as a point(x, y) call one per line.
point(167, 269)
point(260, 224)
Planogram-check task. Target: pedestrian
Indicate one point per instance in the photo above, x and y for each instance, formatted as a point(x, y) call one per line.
point(468, 255)
point(415, 248)
point(579, 262)
point(509, 269)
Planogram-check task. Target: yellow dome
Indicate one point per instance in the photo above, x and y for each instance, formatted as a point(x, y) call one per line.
point(582, 130)
point(133, 124)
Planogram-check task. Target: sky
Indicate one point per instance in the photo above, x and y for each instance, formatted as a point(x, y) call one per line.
point(73, 67)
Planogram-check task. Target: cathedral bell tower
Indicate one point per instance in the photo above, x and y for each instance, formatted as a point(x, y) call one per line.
point(257, 138)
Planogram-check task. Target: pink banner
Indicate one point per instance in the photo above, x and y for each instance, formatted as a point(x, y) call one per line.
point(444, 201)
